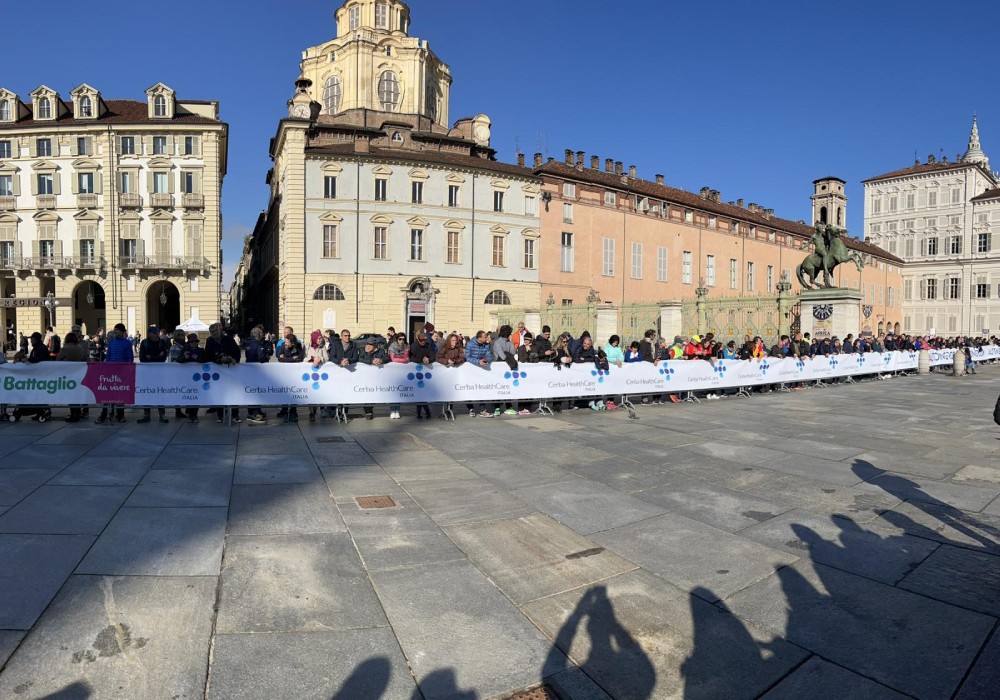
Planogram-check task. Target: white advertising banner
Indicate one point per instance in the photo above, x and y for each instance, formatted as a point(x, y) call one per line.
point(62, 383)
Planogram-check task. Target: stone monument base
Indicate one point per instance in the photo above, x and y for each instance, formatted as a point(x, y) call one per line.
point(826, 313)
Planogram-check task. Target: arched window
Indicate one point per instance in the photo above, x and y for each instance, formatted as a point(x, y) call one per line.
point(388, 91)
point(4, 110)
point(85, 110)
point(822, 214)
point(44, 108)
point(331, 95)
point(329, 292)
point(159, 106)
point(498, 297)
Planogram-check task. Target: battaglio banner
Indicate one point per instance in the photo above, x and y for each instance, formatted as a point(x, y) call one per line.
point(65, 383)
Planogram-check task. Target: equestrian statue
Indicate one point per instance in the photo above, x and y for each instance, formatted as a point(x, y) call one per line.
point(829, 252)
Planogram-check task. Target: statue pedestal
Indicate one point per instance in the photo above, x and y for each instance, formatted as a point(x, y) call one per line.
point(826, 313)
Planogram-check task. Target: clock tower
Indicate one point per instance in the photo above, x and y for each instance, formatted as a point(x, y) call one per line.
point(301, 106)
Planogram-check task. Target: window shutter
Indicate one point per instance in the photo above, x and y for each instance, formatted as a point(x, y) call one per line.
point(56, 189)
point(149, 181)
point(34, 249)
point(34, 185)
point(923, 246)
point(17, 248)
point(16, 184)
point(197, 183)
point(172, 145)
point(196, 145)
point(170, 182)
point(959, 239)
point(118, 145)
point(923, 289)
point(90, 145)
point(57, 248)
point(100, 245)
point(33, 148)
point(140, 246)
point(72, 148)
point(147, 145)
point(98, 182)
point(74, 182)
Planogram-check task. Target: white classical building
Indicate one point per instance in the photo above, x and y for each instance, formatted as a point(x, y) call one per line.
point(938, 217)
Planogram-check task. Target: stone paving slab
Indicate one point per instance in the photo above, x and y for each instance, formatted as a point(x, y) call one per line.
point(453, 501)
point(796, 446)
point(15, 484)
point(533, 556)
point(43, 456)
point(131, 637)
point(984, 679)
point(817, 678)
point(627, 475)
point(192, 457)
point(443, 467)
point(282, 509)
point(742, 454)
point(964, 496)
point(13, 443)
point(104, 470)
point(639, 637)
point(389, 441)
point(959, 576)
point(972, 473)
point(862, 503)
point(65, 510)
point(908, 642)
point(345, 483)
point(177, 488)
point(276, 469)
point(159, 542)
point(740, 477)
point(826, 470)
point(32, 569)
point(9, 639)
point(205, 432)
point(76, 435)
point(692, 555)
point(338, 455)
point(712, 504)
point(587, 507)
point(513, 474)
point(944, 524)
point(467, 626)
point(295, 583)
point(342, 665)
point(840, 542)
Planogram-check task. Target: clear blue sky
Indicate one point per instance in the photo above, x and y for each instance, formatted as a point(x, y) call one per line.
point(753, 99)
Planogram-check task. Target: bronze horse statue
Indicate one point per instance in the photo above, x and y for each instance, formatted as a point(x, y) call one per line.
point(830, 252)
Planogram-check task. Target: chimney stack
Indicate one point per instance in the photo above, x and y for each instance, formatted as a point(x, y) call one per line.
point(579, 159)
point(520, 160)
point(538, 160)
point(659, 179)
point(618, 167)
point(752, 207)
point(631, 171)
point(704, 192)
point(716, 196)
point(739, 202)
point(609, 165)
point(569, 157)
point(769, 213)
point(595, 163)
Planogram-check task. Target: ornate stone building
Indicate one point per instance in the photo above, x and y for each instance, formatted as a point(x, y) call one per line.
point(111, 207)
point(938, 216)
point(380, 213)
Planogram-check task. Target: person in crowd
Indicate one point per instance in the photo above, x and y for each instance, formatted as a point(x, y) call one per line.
point(119, 350)
point(390, 334)
point(256, 353)
point(22, 343)
point(783, 348)
point(316, 356)
point(543, 344)
point(153, 349)
point(478, 352)
point(399, 353)
point(452, 353)
point(504, 350)
point(527, 353)
point(375, 356)
point(632, 353)
point(586, 353)
point(517, 336)
point(52, 342)
point(291, 351)
point(180, 353)
point(647, 346)
point(423, 352)
point(729, 352)
point(286, 333)
point(73, 351)
point(343, 352)
point(613, 350)
point(222, 349)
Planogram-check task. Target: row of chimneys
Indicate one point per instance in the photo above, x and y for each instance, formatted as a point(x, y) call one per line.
point(754, 208)
point(576, 160)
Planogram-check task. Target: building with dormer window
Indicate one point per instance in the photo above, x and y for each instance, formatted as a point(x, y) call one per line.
point(110, 206)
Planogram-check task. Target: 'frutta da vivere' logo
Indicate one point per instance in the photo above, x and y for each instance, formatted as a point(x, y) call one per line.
point(516, 376)
point(206, 376)
point(421, 376)
point(315, 379)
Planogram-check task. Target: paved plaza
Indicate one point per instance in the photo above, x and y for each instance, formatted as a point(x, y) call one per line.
point(838, 543)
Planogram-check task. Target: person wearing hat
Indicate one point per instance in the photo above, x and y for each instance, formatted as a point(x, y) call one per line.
point(153, 349)
point(376, 356)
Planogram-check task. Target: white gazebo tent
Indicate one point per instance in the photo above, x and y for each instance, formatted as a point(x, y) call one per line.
point(194, 325)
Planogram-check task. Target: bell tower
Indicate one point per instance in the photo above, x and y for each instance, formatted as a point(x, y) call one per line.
point(829, 203)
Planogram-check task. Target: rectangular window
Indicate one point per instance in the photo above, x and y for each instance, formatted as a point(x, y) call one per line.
point(661, 264)
point(637, 261)
point(45, 183)
point(609, 198)
point(954, 289)
point(686, 265)
point(6, 185)
point(931, 289)
point(417, 192)
point(44, 148)
point(893, 203)
point(908, 248)
point(81, 146)
point(188, 183)
point(128, 249)
point(713, 221)
point(454, 241)
point(982, 288)
point(85, 183)
point(567, 213)
point(126, 183)
point(955, 245)
point(189, 145)
point(608, 257)
point(891, 297)
point(911, 201)
point(160, 183)
point(566, 252)
point(159, 145)
point(6, 253)
point(381, 15)
point(128, 145)
point(892, 246)
point(530, 206)
point(331, 248)
point(329, 187)
point(876, 206)
point(983, 242)
point(932, 246)
point(710, 270)
point(47, 250)
point(416, 244)
point(453, 195)
point(770, 279)
point(955, 220)
point(381, 251)
point(932, 199)
point(956, 196)
point(734, 272)
point(499, 252)
point(5, 149)
point(355, 17)
point(688, 216)
point(529, 253)
point(907, 290)
point(498, 201)
point(750, 276)
point(381, 184)
point(569, 189)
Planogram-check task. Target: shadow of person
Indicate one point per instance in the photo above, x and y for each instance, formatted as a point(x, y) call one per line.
point(442, 684)
point(367, 682)
point(75, 691)
point(615, 661)
point(950, 517)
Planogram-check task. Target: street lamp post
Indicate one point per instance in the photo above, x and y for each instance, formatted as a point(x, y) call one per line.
point(51, 303)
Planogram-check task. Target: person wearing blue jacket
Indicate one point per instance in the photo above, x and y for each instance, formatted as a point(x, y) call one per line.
point(119, 350)
point(479, 353)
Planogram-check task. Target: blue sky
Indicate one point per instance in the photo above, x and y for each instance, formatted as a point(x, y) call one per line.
point(753, 99)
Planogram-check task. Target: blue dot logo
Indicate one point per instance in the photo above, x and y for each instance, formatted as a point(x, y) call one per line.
point(667, 372)
point(861, 360)
point(833, 363)
point(600, 374)
point(515, 376)
point(206, 377)
point(887, 359)
point(315, 379)
point(764, 366)
point(721, 369)
point(801, 364)
point(420, 375)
